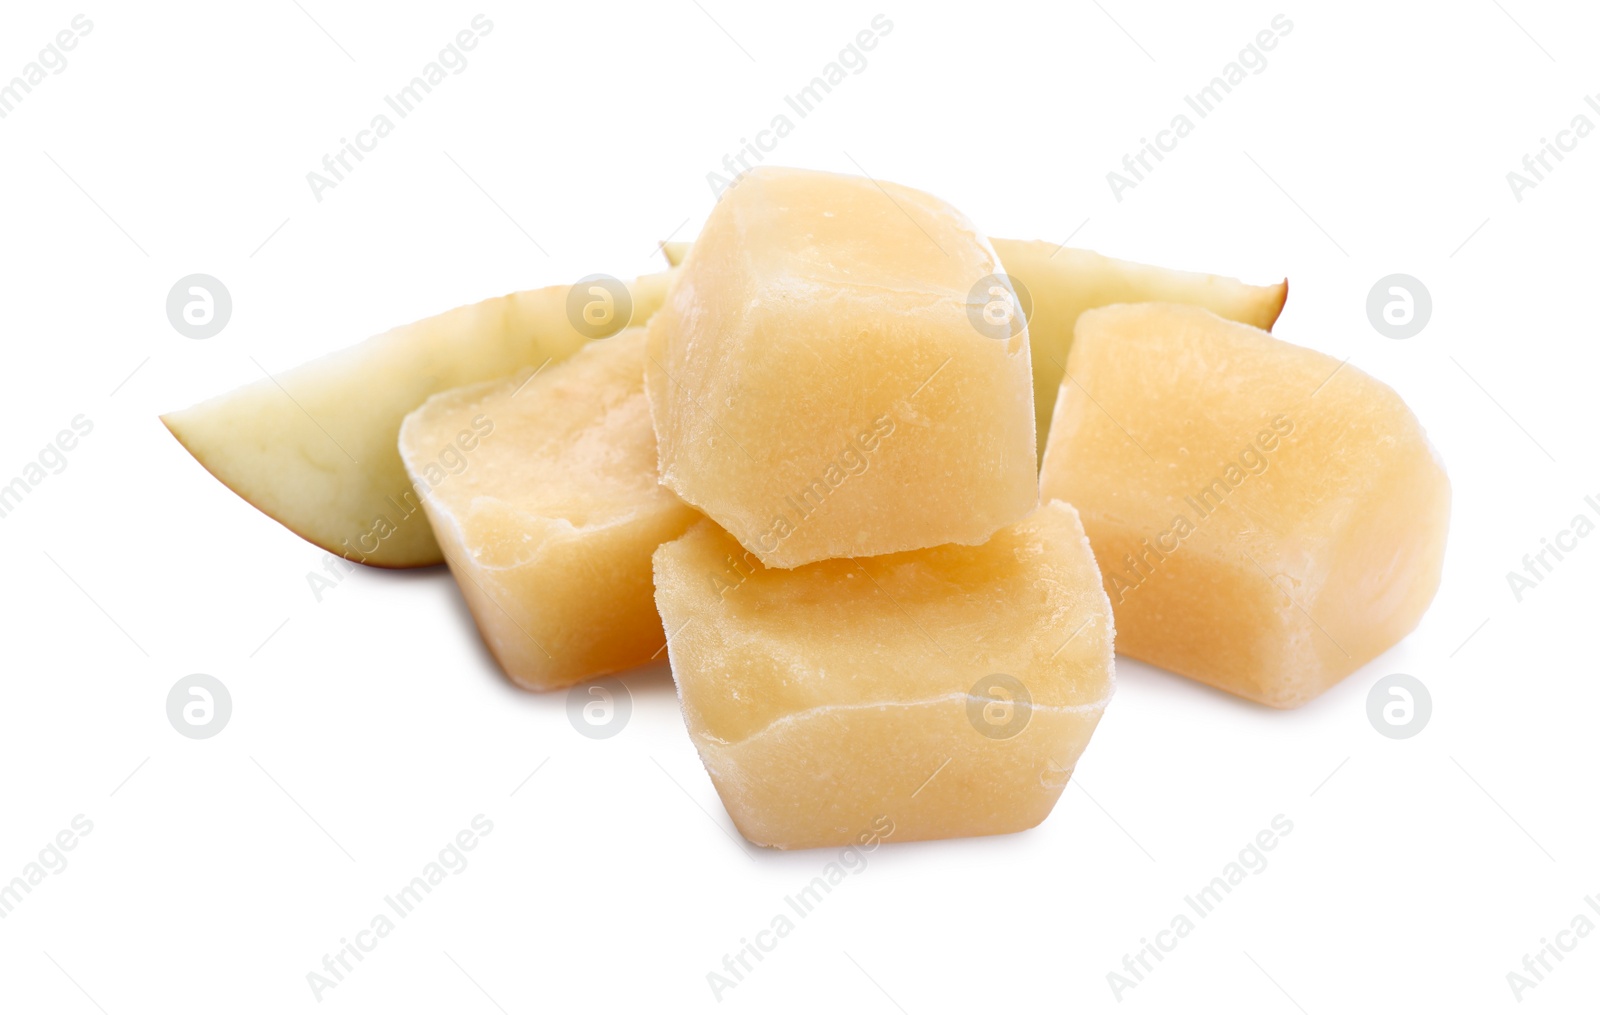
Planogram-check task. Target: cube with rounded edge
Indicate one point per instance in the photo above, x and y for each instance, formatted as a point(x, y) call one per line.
point(938, 693)
point(1267, 519)
point(542, 492)
point(823, 383)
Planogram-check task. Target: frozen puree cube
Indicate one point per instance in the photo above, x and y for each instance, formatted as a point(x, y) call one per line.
point(937, 693)
point(542, 492)
point(818, 385)
point(1266, 519)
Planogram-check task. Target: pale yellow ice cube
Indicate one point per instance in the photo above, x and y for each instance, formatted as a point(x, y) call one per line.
point(939, 692)
point(822, 379)
point(541, 489)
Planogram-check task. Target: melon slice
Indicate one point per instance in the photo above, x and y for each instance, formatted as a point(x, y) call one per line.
point(1065, 281)
point(817, 383)
point(940, 692)
point(314, 447)
point(1266, 519)
point(541, 488)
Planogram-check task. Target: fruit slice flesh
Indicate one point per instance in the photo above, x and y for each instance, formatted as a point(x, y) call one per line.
point(827, 698)
point(541, 488)
point(314, 447)
point(817, 385)
point(1066, 281)
point(1266, 519)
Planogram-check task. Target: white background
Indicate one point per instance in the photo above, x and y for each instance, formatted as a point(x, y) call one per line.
point(371, 727)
